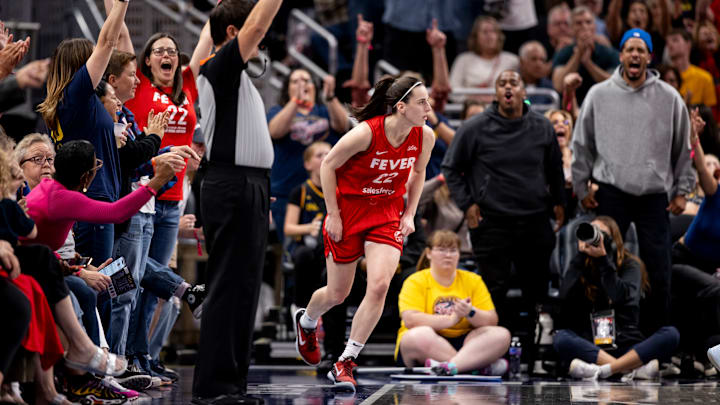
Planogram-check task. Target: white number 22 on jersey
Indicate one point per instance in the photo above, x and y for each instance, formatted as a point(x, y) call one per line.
point(385, 178)
point(174, 111)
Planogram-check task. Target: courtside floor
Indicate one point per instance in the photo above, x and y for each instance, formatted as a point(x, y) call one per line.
point(300, 385)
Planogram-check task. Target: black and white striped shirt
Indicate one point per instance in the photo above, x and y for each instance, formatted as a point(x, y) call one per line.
point(233, 115)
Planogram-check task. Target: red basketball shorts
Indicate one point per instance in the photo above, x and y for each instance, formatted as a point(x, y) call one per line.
point(365, 220)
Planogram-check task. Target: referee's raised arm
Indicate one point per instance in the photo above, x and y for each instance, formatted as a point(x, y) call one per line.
point(234, 198)
point(256, 26)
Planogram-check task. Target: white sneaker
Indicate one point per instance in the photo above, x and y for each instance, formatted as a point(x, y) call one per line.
point(583, 370)
point(497, 368)
point(648, 371)
point(713, 354)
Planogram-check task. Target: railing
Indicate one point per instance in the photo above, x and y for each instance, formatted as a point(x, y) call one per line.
point(83, 25)
point(454, 107)
point(325, 34)
point(176, 17)
point(383, 67)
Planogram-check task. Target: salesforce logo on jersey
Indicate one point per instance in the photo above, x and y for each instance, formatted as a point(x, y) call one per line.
point(376, 191)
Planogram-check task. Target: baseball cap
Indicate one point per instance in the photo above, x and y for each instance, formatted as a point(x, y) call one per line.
point(637, 33)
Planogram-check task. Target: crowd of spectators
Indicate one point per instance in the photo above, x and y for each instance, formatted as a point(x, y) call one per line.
point(113, 172)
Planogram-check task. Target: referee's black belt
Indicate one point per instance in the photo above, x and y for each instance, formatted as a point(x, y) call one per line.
point(229, 168)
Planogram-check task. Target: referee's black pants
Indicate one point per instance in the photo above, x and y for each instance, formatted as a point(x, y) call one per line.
point(235, 203)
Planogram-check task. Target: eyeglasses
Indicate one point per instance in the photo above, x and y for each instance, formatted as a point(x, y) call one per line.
point(564, 122)
point(161, 51)
point(446, 251)
point(39, 160)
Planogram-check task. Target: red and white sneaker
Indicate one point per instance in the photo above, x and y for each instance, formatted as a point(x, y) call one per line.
point(306, 341)
point(343, 374)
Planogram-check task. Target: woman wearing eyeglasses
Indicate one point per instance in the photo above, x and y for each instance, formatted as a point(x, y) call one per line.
point(449, 321)
point(166, 86)
point(35, 154)
point(55, 204)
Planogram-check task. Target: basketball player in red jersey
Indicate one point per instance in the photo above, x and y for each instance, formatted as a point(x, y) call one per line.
point(369, 169)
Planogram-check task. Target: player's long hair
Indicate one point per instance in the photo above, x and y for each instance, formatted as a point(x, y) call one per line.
point(387, 93)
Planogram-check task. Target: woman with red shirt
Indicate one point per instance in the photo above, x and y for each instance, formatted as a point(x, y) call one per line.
point(370, 169)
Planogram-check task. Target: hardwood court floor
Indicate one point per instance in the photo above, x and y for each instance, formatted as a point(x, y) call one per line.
point(295, 385)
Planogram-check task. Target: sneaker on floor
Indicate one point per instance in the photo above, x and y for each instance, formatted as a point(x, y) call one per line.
point(194, 296)
point(648, 371)
point(88, 389)
point(158, 367)
point(111, 383)
point(442, 368)
point(713, 355)
point(343, 374)
point(583, 370)
point(134, 379)
point(497, 368)
point(306, 341)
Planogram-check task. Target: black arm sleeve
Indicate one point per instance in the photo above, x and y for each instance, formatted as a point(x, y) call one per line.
point(133, 154)
point(623, 286)
point(457, 166)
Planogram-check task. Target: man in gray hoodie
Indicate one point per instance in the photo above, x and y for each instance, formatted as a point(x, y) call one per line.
point(632, 140)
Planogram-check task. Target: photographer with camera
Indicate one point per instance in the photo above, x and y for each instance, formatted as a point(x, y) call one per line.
point(598, 326)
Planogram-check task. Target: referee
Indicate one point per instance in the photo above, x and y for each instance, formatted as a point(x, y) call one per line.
point(234, 198)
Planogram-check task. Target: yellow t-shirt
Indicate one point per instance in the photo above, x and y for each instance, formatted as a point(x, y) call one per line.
point(420, 292)
point(700, 84)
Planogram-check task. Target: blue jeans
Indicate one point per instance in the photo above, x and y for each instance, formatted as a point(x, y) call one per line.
point(660, 345)
point(133, 245)
point(166, 222)
point(87, 300)
point(167, 318)
point(94, 240)
point(158, 281)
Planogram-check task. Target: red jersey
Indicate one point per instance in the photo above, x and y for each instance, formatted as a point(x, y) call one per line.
point(382, 170)
point(182, 118)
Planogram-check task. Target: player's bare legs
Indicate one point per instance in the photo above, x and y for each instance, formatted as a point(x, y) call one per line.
point(339, 282)
point(340, 278)
point(382, 261)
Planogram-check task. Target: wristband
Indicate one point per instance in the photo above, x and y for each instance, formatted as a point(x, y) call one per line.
point(471, 313)
point(151, 191)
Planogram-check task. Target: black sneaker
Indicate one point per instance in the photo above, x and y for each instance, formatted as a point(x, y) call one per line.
point(158, 367)
point(134, 378)
point(194, 296)
point(88, 389)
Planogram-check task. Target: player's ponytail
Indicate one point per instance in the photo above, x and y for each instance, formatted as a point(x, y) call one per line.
point(387, 93)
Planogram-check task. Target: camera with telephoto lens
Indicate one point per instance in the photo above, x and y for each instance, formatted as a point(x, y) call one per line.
point(588, 233)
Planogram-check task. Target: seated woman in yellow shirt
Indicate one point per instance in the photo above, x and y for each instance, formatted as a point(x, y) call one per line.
point(449, 321)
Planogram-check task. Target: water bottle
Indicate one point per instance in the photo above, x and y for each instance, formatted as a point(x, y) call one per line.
point(515, 355)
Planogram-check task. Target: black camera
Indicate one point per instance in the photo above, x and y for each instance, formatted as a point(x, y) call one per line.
point(588, 233)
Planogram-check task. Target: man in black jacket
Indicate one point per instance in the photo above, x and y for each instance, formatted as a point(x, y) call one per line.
point(504, 170)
